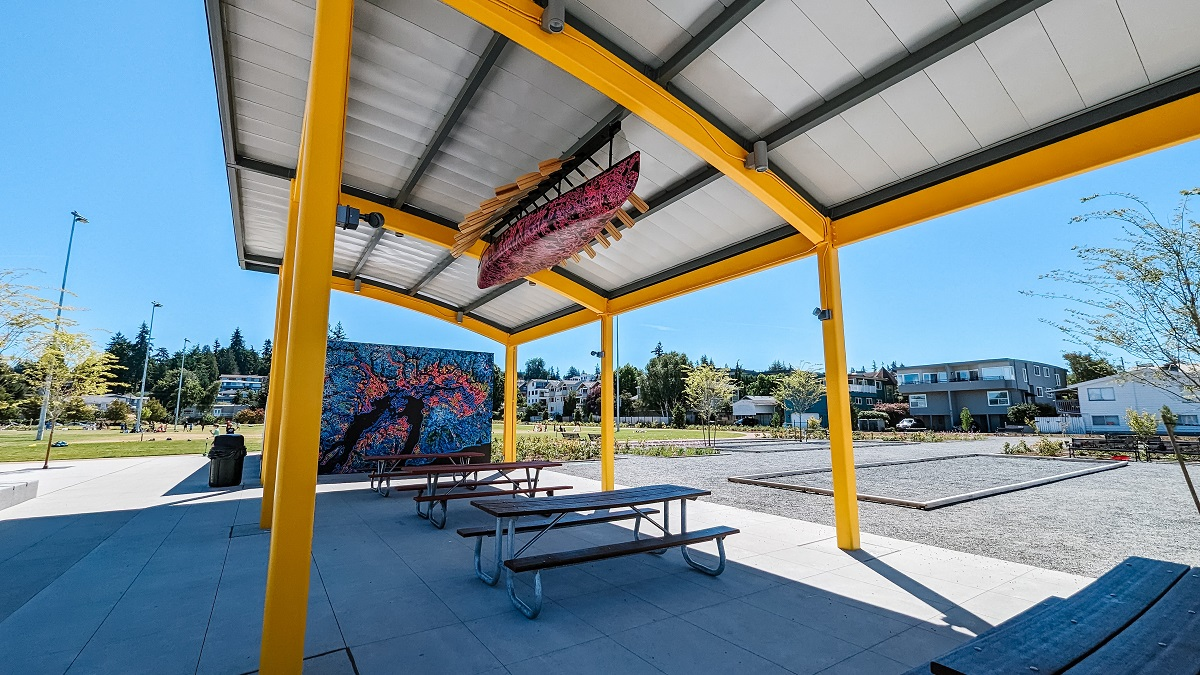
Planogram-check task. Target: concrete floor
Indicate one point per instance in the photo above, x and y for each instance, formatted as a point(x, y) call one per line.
point(135, 566)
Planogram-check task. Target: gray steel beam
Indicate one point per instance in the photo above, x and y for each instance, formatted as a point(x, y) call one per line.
point(995, 18)
point(491, 295)
point(437, 268)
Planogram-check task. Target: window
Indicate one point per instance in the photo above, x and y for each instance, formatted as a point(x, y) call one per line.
point(910, 378)
point(932, 378)
point(1101, 394)
point(998, 373)
point(1189, 420)
point(917, 401)
point(998, 398)
point(1105, 420)
point(878, 385)
point(1037, 371)
point(1058, 379)
point(857, 400)
point(1025, 373)
point(1039, 392)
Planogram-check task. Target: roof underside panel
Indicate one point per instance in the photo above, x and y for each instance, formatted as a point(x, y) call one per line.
point(718, 216)
point(401, 261)
point(456, 284)
point(650, 30)
point(523, 304)
point(264, 207)
point(526, 111)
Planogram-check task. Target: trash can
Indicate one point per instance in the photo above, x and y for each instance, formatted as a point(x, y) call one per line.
point(225, 460)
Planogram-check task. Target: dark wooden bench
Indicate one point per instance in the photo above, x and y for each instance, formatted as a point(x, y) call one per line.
point(1070, 632)
point(493, 493)
point(545, 561)
point(570, 436)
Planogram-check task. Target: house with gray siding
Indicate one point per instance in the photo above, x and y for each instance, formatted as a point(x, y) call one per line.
point(938, 392)
point(1103, 401)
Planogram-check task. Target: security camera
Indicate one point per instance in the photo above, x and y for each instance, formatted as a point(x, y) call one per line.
point(598, 355)
point(757, 157)
point(554, 17)
point(822, 314)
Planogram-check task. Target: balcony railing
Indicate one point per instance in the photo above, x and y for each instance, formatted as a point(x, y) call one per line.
point(1069, 406)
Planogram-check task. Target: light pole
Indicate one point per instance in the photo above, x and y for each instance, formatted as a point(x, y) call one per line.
point(617, 361)
point(179, 391)
point(137, 423)
point(62, 291)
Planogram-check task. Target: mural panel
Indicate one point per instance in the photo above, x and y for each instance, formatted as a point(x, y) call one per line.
point(387, 399)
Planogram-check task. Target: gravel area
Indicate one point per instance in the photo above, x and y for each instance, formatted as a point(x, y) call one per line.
point(940, 478)
point(1084, 525)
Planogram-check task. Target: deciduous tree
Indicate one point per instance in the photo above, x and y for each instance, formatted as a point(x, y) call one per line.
point(708, 390)
point(799, 390)
point(73, 368)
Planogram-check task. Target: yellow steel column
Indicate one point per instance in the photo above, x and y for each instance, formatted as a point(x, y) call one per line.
point(510, 403)
point(320, 172)
point(283, 309)
point(608, 441)
point(837, 395)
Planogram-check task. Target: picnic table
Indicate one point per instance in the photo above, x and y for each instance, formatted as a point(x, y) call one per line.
point(389, 466)
point(567, 511)
point(1142, 616)
point(435, 493)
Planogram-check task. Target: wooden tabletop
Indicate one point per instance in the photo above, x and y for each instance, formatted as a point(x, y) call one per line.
point(590, 501)
point(422, 455)
point(468, 468)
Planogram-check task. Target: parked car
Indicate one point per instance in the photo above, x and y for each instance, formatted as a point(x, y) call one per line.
point(910, 424)
point(746, 422)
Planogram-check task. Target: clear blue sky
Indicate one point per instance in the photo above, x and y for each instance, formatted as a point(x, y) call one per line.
point(113, 114)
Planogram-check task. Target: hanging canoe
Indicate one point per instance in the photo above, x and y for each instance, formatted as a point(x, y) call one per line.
point(561, 228)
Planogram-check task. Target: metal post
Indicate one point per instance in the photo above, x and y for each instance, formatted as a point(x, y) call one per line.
point(137, 423)
point(607, 434)
point(510, 403)
point(62, 291)
point(179, 391)
point(841, 445)
point(617, 361)
point(286, 608)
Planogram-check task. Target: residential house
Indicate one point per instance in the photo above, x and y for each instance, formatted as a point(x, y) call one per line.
point(554, 393)
point(101, 402)
point(1104, 401)
point(761, 408)
point(866, 389)
point(938, 392)
point(247, 386)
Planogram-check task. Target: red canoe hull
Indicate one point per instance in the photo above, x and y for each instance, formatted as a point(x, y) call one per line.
point(561, 228)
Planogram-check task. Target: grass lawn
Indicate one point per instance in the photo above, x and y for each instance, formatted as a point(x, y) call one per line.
point(625, 434)
point(19, 446)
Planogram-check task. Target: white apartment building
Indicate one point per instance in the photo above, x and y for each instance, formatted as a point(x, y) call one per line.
point(554, 393)
point(1103, 402)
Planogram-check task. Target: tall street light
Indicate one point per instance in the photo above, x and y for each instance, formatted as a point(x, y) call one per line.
point(137, 423)
point(62, 291)
point(179, 392)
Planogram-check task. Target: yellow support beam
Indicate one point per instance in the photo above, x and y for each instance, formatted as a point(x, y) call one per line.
point(781, 252)
point(608, 438)
point(283, 308)
point(520, 21)
point(837, 395)
point(510, 403)
point(410, 225)
point(422, 306)
point(1170, 124)
point(286, 608)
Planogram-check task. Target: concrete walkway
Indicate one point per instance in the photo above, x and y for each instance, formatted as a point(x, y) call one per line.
point(135, 566)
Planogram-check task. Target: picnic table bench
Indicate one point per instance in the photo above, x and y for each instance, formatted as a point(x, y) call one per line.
point(567, 511)
point(388, 467)
point(1143, 616)
point(432, 492)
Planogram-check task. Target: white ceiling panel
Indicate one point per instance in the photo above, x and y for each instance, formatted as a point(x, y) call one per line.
point(652, 31)
point(1023, 58)
point(523, 304)
point(1166, 33)
point(917, 22)
point(923, 109)
point(841, 142)
point(663, 160)
point(456, 285)
point(798, 41)
point(815, 170)
point(886, 133)
point(401, 261)
point(977, 96)
point(734, 100)
point(969, 9)
point(1091, 38)
point(264, 210)
point(764, 70)
point(348, 245)
point(857, 30)
point(719, 216)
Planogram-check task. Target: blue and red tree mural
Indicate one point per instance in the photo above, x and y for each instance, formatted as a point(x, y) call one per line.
point(385, 399)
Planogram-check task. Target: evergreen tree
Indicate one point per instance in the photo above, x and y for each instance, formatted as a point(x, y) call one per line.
point(264, 361)
point(658, 349)
point(572, 372)
point(337, 333)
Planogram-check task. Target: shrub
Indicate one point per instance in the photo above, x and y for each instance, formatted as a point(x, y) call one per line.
point(678, 416)
point(249, 416)
point(1023, 413)
point(895, 411)
point(874, 415)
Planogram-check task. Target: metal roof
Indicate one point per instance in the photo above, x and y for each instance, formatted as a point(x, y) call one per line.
point(861, 102)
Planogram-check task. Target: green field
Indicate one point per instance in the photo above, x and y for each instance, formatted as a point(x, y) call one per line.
point(19, 446)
